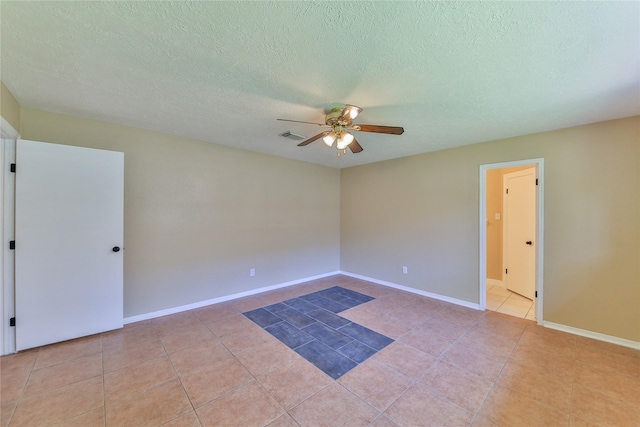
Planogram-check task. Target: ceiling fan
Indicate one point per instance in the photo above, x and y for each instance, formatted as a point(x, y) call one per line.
point(340, 121)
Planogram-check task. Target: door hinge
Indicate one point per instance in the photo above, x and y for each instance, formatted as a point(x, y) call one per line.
point(12, 321)
point(536, 181)
point(506, 270)
point(536, 294)
point(507, 191)
point(12, 244)
point(13, 167)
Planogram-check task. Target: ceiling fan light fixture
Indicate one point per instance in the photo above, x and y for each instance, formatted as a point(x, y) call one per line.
point(353, 111)
point(329, 138)
point(344, 140)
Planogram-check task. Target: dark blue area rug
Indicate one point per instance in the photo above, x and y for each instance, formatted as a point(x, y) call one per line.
point(311, 327)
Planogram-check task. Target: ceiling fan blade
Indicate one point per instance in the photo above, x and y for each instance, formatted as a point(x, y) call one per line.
point(298, 121)
point(313, 138)
point(393, 130)
point(355, 147)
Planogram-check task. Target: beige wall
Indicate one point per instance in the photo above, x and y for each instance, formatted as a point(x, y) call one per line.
point(198, 216)
point(422, 212)
point(9, 108)
point(495, 198)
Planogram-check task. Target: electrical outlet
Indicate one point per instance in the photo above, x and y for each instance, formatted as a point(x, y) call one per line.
point(405, 270)
point(252, 272)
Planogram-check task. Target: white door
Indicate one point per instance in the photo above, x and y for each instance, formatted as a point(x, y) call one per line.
point(69, 231)
point(520, 231)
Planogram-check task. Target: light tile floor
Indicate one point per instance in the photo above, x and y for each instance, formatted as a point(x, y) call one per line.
point(212, 366)
point(504, 301)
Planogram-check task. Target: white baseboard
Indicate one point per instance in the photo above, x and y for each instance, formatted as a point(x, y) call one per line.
point(569, 329)
point(494, 282)
point(224, 298)
point(414, 291)
point(594, 335)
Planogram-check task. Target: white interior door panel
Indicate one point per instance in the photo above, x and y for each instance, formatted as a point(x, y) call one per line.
point(69, 219)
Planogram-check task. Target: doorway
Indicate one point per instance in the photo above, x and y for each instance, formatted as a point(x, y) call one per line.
point(517, 243)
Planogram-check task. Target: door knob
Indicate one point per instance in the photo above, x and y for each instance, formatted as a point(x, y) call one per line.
point(529, 242)
point(116, 249)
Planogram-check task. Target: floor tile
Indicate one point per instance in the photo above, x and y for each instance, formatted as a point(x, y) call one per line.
point(461, 315)
point(189, 419)
point(333, 406)
point(172, 323)
point(485, 364)
point(533, 375)
point(228, 325)
point(131, 354)
point(427, 340)
point(329, 305)
point(445, 328)
point(73, 349)
point(63, 374)
point(292, 383)
point(328, 318)
point(603, 408)
point(196, 357)
point(508, 407)
point(215, 312)
point(496, 324)
point(300, 305)
point(149, 407)
point(263, 317)
point(267, 357)
point(365, 335)
point(327, 335)
point(283, 421)
point(326, 359)
point(213, 381)
point(93, 418)
point(12, 384)
point(246, 338)
point(383, 421)
point(417, 406)
point(483, 422)
point(407, 360)
point(491, 343)
point(21, 362)
point(289, 334)
point(60, 404)
point(375, 383)
point(279, 306)
point(6, 412)
point(548, 389)
point(387, 325)
point(246, 406)
point(118, 384)
point(604, 379)
point(186, 336)
point(129, 334)
point(357, 351)
point(296, 318)
point(457, 385)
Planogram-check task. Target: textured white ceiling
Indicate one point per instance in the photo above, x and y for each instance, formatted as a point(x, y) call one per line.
point(450, 73)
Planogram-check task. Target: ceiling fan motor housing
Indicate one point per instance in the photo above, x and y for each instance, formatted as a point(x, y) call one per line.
point(334, 119)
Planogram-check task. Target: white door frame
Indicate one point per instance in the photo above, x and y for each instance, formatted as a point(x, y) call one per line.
point(539, 164)
point(7, 187)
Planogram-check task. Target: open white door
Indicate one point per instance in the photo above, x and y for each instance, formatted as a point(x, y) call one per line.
point(519, 208)
point(69, 222)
